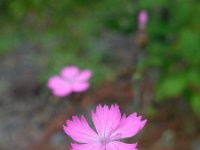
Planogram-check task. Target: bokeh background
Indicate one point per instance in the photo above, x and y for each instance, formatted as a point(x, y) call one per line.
point(39, 37)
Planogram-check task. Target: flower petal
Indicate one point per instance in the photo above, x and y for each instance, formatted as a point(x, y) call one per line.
point(120, 146)
point(106, 120)
point(79, 130)
point(62, 91)
point(90, 146)
point(84, 75)
point(53, 82)
point(70, 72)
point(59, 86)
point(80, 87)
point(128, 127)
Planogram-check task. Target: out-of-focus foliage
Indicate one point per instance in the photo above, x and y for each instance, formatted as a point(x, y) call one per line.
point(174, 33)
point(74, 19)
point(174, 48)
point(70, 26)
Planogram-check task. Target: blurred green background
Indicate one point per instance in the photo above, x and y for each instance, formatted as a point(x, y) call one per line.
point(71, 28)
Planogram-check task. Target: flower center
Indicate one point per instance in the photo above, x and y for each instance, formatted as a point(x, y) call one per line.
point(69, 80)
point(104, 141)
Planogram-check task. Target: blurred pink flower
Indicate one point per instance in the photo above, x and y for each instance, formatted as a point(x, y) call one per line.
point(71, 79)
point(111, 128)
point(142, 19)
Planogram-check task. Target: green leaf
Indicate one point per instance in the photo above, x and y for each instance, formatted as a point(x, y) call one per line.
point(171, 87)
point(195, 104)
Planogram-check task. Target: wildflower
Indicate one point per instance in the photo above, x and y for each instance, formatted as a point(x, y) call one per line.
point(142, 19)
point(71, 79)
point(110, 127)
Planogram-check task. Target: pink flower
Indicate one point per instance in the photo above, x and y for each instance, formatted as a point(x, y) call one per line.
point(111, 127)
point(142, 19)
point(71, 79)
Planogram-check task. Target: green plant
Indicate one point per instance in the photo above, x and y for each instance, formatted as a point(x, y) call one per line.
point(174, 30)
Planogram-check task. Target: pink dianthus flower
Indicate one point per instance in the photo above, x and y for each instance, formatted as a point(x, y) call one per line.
point(71, 79)
point(142, 19)
point(111, 127)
